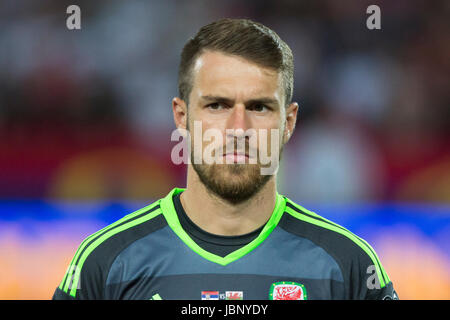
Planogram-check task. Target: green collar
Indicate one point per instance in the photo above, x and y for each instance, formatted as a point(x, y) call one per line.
point(171, 217)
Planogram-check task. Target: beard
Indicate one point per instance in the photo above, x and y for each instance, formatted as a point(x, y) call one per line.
point(235, 182)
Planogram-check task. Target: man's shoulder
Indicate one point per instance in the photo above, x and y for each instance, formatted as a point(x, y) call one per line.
point(350, 251)
point(302, 221)
point(96, 252)
point(130, 227)
point(115, 237)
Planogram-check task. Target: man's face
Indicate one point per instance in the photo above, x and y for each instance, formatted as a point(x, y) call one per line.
point(243, 102)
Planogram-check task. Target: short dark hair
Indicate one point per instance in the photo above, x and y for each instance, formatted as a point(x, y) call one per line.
point(242, 37)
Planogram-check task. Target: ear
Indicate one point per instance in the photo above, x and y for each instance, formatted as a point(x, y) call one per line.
point(291, 118)
point(179, 109)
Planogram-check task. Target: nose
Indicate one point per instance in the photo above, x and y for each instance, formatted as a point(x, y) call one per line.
point(238, 120)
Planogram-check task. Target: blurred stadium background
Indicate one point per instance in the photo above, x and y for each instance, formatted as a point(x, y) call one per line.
point(85, 124)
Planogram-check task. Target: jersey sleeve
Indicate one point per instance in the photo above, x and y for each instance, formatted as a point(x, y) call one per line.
point(84, 278)
point(385, 293)
point(369, 279)
point(61, 295)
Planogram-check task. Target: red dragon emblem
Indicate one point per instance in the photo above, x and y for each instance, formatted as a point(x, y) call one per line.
point(288, 291)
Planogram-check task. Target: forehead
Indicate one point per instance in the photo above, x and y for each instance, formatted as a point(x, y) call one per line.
point(216, 73)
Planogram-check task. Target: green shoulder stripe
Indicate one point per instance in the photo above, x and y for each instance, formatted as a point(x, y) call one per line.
point(104, 237)
point(64, 285)
point(311, 217)
point(369, 247)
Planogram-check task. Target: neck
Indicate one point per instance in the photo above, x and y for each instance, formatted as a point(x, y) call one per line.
point(217, 216)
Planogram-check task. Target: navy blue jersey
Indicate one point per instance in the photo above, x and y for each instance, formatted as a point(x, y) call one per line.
point(158, 253)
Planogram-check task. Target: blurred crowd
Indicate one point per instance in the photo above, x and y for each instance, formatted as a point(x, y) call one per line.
point(86, 113)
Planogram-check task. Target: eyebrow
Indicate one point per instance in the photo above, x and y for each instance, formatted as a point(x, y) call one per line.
point(265, 100)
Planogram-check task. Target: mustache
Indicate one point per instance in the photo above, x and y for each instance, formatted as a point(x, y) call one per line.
point(237, 147)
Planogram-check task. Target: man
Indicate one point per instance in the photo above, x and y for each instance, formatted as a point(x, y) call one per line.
point(228, 234)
